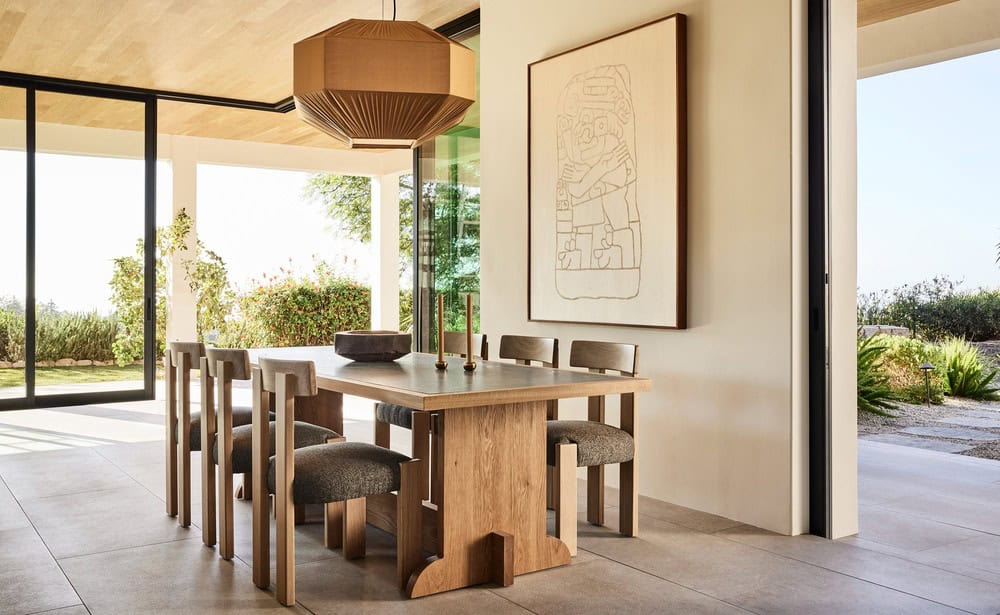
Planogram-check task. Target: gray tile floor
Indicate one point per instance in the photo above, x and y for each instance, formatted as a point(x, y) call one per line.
point(82, 529)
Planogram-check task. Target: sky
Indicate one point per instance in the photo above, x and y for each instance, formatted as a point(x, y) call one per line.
point(929, 174)
point(89, 211)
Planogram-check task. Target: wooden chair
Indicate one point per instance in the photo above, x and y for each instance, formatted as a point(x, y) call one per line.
point(526, 350)
point(594, 444)
point(232, 449)
point(177, 363)
point(339, 475)
point(419, 423)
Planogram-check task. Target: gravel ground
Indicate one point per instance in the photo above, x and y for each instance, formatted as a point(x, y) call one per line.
point(910, 415)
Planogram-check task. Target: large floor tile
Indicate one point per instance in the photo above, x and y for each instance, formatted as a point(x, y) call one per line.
point(979, 516)
point(602, 586)
point(369, 586)
point(913, 578)
point(35, 475)
point(11, 516)
point(176, 577)
point(746, 576)
point(33, 589)
point(103, 521)
point(907, 532)
point(980, 553)
point(132, 454)
point(687, 517)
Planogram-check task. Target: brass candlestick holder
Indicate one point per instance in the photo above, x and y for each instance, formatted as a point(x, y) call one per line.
point(470, 365)
point(441, 363)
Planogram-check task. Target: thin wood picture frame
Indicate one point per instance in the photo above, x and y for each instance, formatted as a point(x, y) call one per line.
point(607, 138)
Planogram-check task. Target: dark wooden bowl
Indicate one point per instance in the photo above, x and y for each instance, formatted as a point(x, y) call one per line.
point(372, 345)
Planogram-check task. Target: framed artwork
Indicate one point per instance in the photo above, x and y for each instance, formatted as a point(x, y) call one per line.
point(606, 175)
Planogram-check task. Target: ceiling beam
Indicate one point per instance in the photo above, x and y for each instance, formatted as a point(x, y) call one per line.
point(874, 11)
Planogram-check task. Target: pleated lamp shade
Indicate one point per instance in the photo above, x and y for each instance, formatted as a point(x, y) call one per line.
point(383, 84)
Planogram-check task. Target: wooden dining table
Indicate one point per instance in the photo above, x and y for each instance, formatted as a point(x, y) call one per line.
point(489, 442)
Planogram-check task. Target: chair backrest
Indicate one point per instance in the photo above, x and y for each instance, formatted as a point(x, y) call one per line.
point(525, 349)
point(605, 356)
point(194, 350)
point(454, 343)
point(304, 372)
point(237, 358)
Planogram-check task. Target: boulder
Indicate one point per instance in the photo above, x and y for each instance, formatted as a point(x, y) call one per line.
point(65, 363)
point(18, 365)
point(84, 363)
point(44, 364)
point(6, 365)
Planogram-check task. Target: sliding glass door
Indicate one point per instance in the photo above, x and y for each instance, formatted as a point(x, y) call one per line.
point(13, 170)
point(447, 221)
point(77, 166)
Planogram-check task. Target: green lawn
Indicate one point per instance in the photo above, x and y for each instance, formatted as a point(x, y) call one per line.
point(71, 375)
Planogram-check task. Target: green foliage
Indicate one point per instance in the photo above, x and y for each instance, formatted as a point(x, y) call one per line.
point(901, 363)
point(290, 311)
point(935, 310)
point(11, 335)
point(405, 309)
point(966, 374)
point(347, 200)
point(78, 336)
point(204, 271)
point(874, 393)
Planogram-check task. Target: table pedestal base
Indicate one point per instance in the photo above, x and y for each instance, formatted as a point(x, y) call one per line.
point(491, 518)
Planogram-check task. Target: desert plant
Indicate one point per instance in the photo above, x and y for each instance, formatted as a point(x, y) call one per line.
point(902, 361)
point(966, 374)
point(874, 393)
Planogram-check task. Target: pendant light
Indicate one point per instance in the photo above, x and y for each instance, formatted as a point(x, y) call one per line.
point(373, 83)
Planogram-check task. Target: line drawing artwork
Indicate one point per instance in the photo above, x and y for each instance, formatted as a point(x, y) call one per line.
point(598, 229)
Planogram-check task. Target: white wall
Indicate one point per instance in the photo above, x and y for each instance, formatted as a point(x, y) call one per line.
point(721, 431)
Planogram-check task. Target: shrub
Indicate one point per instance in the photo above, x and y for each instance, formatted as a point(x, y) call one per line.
point(965, 372)
point(78, 336)
point(405, 309)
point(298, 312)
point(935, 310)
point(902, 361)
point(874, 393)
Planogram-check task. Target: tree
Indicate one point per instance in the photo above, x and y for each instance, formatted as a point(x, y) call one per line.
point(347, 201)
point(206, 275)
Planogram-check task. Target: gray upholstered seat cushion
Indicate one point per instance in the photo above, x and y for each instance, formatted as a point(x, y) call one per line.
point(306, 434)
point(242, 415)
point(401, 416)
point(342, 471)
point(597, 443)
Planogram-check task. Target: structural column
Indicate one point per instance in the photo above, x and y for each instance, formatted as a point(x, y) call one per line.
point(385, 245)
point(182, 308)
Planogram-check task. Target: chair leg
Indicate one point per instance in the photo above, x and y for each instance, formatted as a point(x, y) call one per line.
point(565, 488)
point(355, 516)
point(170, 421)
point(409, 519)
point(421, 449)
point(184, 440)
point(244, 491)
point(333, 525)
point(595, 495)
point(300, 514)
point(381, 433)
point(628, 500)
point(225, 498)
point(550, 487)
point(208, 436)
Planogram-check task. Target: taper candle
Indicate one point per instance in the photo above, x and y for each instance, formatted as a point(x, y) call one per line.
point(441, 363)
point(469, 363)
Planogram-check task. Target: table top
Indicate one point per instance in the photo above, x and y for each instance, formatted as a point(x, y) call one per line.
point(413, 381)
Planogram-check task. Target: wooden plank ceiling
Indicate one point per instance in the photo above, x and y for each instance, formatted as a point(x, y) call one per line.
point(230, 48)
point(874, 11)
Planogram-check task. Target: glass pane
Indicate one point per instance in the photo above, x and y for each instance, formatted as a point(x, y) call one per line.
point(12, 237)
point(90, 213)
point(449, 221)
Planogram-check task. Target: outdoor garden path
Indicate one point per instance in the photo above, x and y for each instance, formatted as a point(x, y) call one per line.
point(962, 426)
